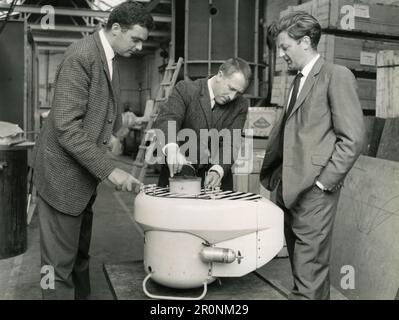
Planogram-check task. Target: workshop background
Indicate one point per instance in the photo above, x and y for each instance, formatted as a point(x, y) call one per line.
point(204, 33)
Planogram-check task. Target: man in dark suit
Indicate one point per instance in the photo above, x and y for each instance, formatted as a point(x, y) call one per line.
point(206, 104)
point(310, 150)
point(70, 154)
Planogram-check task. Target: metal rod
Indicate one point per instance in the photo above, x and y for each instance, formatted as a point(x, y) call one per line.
point(236, 16)
point(256, 49)
point(209, 40)
point(185, 69)
point(82, 28)
point(77, 12)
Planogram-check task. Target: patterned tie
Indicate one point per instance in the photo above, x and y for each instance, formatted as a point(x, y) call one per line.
point(115, 76)
point(294, 95)
point(117, 90)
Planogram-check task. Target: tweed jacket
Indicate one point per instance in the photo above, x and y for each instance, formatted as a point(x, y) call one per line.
point(189, 106)
point(69, 156)
point(323, 135)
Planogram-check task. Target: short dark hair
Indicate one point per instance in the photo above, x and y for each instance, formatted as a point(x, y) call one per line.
point(297, 25)
point(130, 13)
point(236, 65)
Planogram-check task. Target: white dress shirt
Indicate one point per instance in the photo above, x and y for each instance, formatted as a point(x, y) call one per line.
point(109, 52)
point(305, 72)
point(211, 94)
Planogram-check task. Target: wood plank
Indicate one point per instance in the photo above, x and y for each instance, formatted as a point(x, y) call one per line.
point(375, 138)
point(354, 53)
point(125, 280)
point(366, 230)
point(389, 144)
point(366, 89)
point(387, 98)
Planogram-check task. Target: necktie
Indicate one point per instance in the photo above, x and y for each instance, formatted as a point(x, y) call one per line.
point(288, 111)
point(294, 95)
point(116, 87)
point(115, 76)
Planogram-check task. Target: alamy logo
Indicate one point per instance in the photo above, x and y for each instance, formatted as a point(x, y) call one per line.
point(48, 279)
point(348, 280)
point(47, 22)
point(348, 20)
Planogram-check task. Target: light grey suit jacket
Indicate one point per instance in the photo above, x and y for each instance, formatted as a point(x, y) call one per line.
point(323, 135)
point(69, 157)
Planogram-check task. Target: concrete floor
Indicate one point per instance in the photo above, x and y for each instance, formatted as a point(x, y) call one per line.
point(115, 238)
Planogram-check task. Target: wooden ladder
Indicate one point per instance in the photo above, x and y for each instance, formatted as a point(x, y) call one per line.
point(168, 82)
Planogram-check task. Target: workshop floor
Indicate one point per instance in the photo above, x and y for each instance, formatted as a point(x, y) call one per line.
point(115, 239)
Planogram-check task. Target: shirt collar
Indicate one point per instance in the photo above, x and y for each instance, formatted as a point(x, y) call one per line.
point(109, 52)
point(211, 94)
point(306, 69)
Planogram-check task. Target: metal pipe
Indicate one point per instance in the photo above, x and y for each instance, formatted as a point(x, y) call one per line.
point(82, 28)
point(215, 254)
point(77, 12)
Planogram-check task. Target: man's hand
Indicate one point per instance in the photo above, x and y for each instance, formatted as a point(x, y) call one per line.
point(114, 145)
point(212, 180)
point(123, 180)
point(174, 159)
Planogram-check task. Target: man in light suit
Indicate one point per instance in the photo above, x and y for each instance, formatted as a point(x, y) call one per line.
point(69, 157)
point(214, 103)
point(310, 150)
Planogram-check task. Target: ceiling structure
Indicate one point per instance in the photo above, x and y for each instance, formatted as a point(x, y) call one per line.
point(74, 19)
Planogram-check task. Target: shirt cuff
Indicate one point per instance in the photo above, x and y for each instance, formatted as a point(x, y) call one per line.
point(218, 169)
point(169, 145)
point(320, 185)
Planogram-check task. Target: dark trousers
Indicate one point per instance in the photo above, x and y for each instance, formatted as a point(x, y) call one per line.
point(308, 228)
point(64, 245)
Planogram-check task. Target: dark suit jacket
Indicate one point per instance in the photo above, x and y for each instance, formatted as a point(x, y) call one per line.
point(323, 135)
point(190, 107)
point(69, 157)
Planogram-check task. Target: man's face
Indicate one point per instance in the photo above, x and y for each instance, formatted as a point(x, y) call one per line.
point(292, 51)
point(126, 42)
point(227, 88)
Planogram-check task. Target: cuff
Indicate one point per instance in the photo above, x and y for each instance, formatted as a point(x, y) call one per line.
point(320, 185)
point(169, 145)
point(218, 169)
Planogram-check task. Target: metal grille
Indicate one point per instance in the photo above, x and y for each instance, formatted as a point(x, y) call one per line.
point(205, 194)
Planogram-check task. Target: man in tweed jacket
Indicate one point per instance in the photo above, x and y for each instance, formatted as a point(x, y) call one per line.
point(69, 157)
point(214, 103)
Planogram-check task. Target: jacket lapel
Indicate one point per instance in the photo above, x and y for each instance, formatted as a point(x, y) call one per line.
point(205, 102)
point(310, 81)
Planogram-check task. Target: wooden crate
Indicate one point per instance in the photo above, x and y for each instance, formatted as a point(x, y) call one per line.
point(261, 120)
point(366, 90)
point(354, 53)
point(368, 18)
point(281, 86)
point(387, 99)
point(246, 182)
point(247, 164)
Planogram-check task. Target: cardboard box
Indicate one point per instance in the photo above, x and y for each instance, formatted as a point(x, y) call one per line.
point(261, 120)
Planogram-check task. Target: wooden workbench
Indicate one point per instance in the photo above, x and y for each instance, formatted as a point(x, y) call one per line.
point(126, 279)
